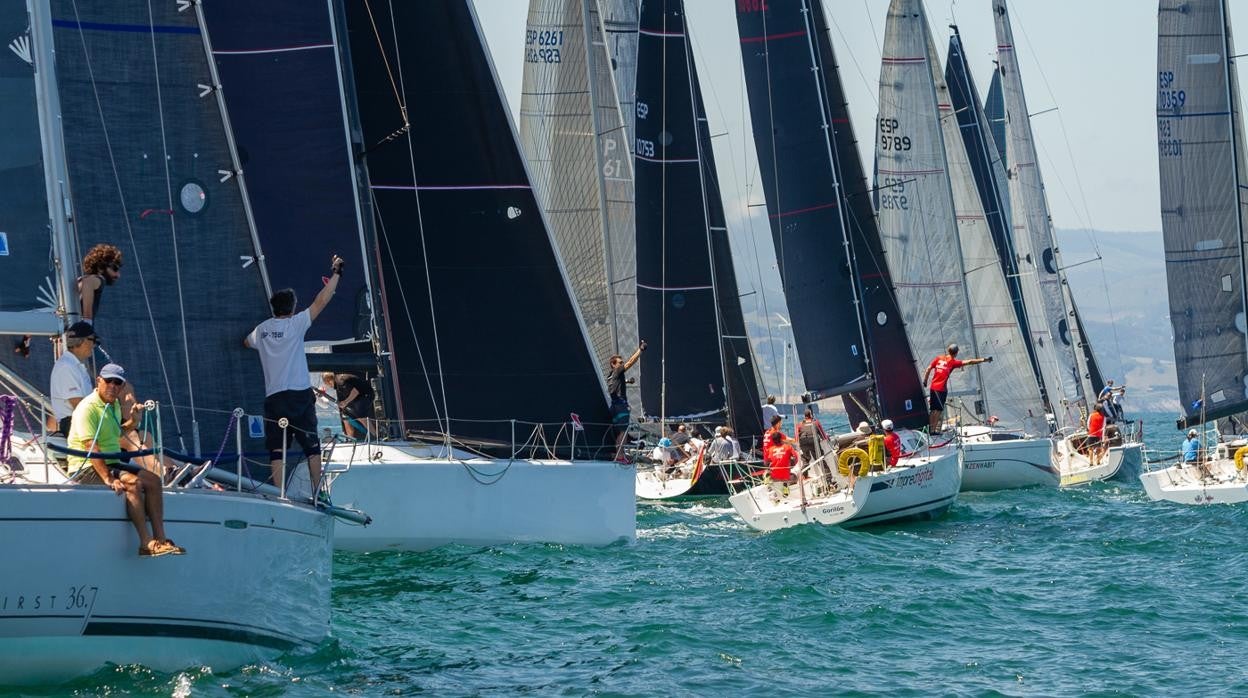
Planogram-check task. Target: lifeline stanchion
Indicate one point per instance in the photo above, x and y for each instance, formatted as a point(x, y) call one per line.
point(283, 423)
point(149, 406)
point(238, 441)
point(43, 431)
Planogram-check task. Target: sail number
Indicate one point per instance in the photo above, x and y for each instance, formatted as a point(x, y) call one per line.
point(1167, 145)
point(893, 195)
point(645, 148)
point(546, 43)
point(890, 138)
point(1167, 96)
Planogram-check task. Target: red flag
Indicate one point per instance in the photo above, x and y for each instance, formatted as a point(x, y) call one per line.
point(576, 422)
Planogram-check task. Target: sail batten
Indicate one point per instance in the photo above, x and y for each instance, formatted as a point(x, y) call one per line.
point(1200, 145)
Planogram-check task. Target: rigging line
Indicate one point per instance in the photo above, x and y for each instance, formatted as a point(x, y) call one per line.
point(779, 236)
point(173, 225)
point(385, 59)
point(420, 354)
point(663, 234)
point(875, 34)
point(703, 176)
point(857, 67)
point(420, 224)
point(160, 357)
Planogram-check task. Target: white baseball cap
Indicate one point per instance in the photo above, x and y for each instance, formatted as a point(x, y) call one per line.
point(887, 424)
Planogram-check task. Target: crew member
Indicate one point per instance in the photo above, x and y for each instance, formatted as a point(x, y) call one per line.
point(1191, 446)
point(781, 458)
point(620, 413)
point(939, 371)
point(892, 442)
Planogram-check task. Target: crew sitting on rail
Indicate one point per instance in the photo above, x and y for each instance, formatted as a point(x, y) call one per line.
point(854, 439)
point(1191, 447)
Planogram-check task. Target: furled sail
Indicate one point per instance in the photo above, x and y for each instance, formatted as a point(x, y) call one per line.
point(152, 172)
point(846, 324)
point(687, 302)
point(277, 61)
point(1200, 143)
point(915, 201)
point(483, 322)
point(576, 146)
point(1039, 261)
point(986, 162)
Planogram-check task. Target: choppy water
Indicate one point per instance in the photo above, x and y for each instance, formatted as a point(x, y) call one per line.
point(1038, 592)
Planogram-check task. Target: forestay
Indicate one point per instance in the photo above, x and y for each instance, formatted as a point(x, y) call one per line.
point(1200, 144)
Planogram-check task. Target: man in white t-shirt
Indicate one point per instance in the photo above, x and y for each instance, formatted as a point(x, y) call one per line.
point(71, 379)
point(287, 387)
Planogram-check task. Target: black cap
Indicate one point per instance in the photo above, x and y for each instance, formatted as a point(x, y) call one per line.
point(80, 330)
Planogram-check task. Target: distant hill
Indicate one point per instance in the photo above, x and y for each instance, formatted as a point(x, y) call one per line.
point(1119, 283)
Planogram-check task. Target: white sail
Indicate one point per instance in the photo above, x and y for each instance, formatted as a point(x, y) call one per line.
point(1009, 389)
point(1039, 262)
point(914, 202)
point(619, 24)
point(576, 144)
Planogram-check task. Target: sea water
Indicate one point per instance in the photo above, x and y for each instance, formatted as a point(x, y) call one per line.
point(1094, 590)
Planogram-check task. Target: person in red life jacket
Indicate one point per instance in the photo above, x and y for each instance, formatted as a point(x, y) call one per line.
point(1096, 433)
point(775, 428)
point(939, 371)
point(892, 442)
point(781, 458)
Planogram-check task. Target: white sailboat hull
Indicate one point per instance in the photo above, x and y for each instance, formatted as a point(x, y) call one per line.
point(1076, 469)
point(75, 595)
point(1186, 484)
point(419, 499)
point(919, 487)
point(652, 485)
point(767, 508)
point(988, 466)
point(1132, 461)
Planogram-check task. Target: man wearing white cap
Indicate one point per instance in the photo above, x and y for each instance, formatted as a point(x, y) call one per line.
point(1191, 446)
point(892, 442)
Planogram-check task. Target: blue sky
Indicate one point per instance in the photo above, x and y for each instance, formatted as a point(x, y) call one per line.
point(1092, 59)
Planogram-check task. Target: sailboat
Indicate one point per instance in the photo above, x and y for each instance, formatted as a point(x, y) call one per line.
point(950, 286)
point(687, 299)
point(114, 143)
point(497, 402)
point(849, 335)
point(1200, 144)
point(1059, 345)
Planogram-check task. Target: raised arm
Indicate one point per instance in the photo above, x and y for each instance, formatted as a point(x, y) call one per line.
point(322, 298)
point(636, 355)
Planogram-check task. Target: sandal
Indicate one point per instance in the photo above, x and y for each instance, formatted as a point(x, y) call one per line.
point(174, 548)
point(154, 548)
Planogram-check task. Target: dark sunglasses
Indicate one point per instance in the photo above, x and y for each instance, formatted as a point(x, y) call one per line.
point(115, 381)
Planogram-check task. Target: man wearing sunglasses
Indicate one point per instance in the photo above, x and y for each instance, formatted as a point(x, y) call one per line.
point(101, 267)
point(96, 429)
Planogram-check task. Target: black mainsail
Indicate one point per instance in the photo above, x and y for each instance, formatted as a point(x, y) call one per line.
point(687, 304)
point(1200, 143)
point(846, 324)
point(152, 172)
point(277, 62)
point(484, 327)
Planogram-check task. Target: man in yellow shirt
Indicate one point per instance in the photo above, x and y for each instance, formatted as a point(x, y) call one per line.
point(96, 429)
